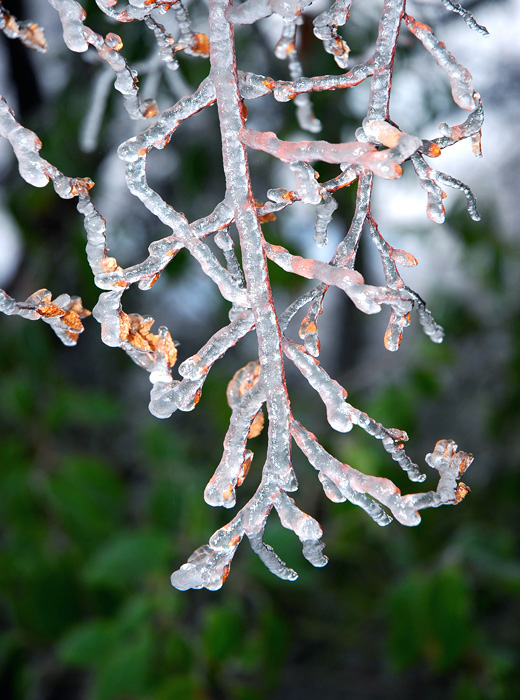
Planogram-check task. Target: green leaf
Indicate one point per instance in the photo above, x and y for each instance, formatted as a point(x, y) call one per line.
point(87, 644)
point(184, 687)
point(18, 398)
point(88, 497)
point(128, 558)
point(429, 620)
point(177, 652)
point(124, 674)
point(90, 408)
point(48, 602)
point(222, 632)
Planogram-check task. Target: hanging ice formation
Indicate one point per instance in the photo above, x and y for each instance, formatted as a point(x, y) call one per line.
point(378, 150)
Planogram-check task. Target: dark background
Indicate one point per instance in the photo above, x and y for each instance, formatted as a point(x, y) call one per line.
point(99, 501)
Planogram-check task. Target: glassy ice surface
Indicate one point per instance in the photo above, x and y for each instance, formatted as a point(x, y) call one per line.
point(238, 263)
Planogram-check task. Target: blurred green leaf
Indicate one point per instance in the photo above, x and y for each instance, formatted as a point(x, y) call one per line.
point(468, 689)
point(128, 558)
point(88, 409)
point(48, 602)
point(124, 674)
point(177, 653)
point(88, 497)
point(429, 619)
point(185, 687)
point(18, 398)
point(87, 644)
point(222, 632)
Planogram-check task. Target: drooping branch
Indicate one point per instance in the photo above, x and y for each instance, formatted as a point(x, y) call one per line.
point(239, 268)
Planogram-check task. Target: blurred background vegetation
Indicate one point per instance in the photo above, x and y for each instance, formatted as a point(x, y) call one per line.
point(99, 501)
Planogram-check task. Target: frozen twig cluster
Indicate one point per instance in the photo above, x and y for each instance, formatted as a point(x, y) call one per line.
point(379, 149)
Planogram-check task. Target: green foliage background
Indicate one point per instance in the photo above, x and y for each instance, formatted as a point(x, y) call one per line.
point(99, 502)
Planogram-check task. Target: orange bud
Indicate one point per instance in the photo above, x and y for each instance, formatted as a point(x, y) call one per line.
point(200, 44)
point(461, 492)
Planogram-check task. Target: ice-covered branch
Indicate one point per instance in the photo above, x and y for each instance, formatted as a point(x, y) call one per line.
point(63, 314)
point(325, 28)
point(466, 16)
point(385, 163)
point(230, 247)
point(78, 37)
point(342, 482)
point(459, 77)
point(383, 59)
point(366, 297)
point(28, 32)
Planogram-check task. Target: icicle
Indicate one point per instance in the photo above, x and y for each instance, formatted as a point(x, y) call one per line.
point(306, 182)
point(331, 393)
point(308, 331)
point(459, 77)
point(429, 179)
point(306, 528)
point(324, 212)
point(286, 50)
point(325, 28)
point(466, 16)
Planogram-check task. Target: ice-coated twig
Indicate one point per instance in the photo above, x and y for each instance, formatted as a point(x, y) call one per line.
point(379, 147)
point(471, 127)
point(390, 258)
point(283, 90)
point(245, 396)
point(466, 16)
point(137, 183)
point(459, 77)
point(430, 180)
point(325, 28)
point(367, 298)
point(78, 37)
point(134, 10)
point(28, 32)
point(306, 528)
point(37, 171)
point(63, 314)
point(285, 49)
point(383, 59)
point(385, 163)
point(345, 255)
point(342, 482)
point(165, 42)
point(342, 416)
point(194, 44)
